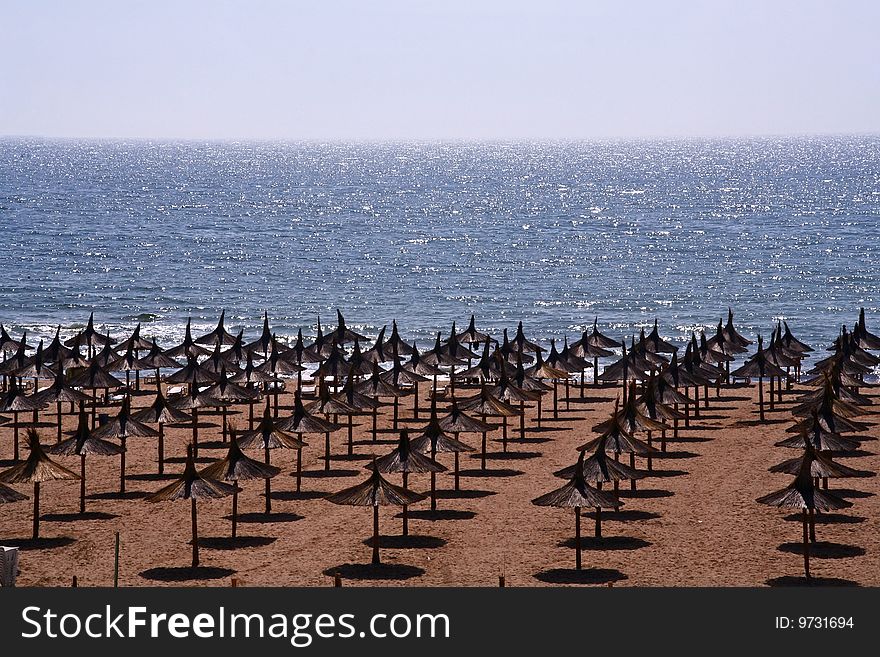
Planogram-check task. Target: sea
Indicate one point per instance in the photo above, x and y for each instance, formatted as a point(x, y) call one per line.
point(553, 234)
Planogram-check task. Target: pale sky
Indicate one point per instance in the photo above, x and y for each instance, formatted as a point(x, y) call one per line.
point(450, 69)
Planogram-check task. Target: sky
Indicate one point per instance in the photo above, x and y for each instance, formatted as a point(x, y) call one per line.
point(450, 69)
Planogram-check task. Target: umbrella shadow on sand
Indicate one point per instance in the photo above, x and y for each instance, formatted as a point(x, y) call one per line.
point(382, 571)
point(790, 580)
point(828, 519)
point(75, 517)
point(38, 543)
point(606, 543)
point(824, 550)
point(396, 541)
point(230, 543)
point(489, 473)
point(583, 576)
point(259, 517)
point(185, 573)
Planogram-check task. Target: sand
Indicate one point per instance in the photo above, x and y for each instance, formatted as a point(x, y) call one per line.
point(694, 523)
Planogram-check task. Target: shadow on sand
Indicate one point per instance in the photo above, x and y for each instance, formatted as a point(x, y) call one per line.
point(585, 576)
point(264, 518)
point(185, 574)
point(38, 543)
point(789, 580)
point(410, 541)
point(824, 550)
point(75, 517)
point(606, 543)
point(229, 543)
point(374, 572)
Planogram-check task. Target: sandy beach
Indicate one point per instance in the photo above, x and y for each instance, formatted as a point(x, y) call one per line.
point(695, 522)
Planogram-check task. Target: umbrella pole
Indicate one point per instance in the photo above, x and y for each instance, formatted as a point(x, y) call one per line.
point(350, 434)
point(706, 395)
point(812, 525)
point(567, 394)
point(632, 464)
point(223, 412)
point(82, 483)
point(761, 398)
point(687, 415)
point(539, 412)
point(376, 561)
point(771, 393)
point(36, 510)
point(456, 471)
point(251, 415)
point(94, 405)
point(195, 531)
point(483, 453)
point(555, 399)
point(650, 460)
point(158, 383)
point(405, 515)
point(583, 382)
point(161, 448)
point(696, 402)
point(577, 537)
point(375, 415)
point(806, 547)
point(396, 411)
point(326, 451)
point(195, 433)
point(598, 522)
point(122, 466)
point(595, 371)
point(15, 453)
point(235, 508)
point(58, 414)
point(268, 481)
point(416, 400)
point(522, 422)
point(504, 431)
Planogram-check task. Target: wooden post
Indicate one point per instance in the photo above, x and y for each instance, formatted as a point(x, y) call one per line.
point(376, 532)
point(577, 537)
point(122, 466)
point(456, 472)
point(405, 516)
point(806, 547)
point(36, 510)
point(116, 563)
point(326, 451)
point(812, 525)
point(598, 522)
point(501, 581)
point(82, 483)
point(299, 453)
point(268, 480)
point(235, 507)
point(195, 433)
point(337, 579)
point(761, 397)
point(483, 454)
point(161, 449)
point(195, 537)
point(74, 583)
point(632, 464)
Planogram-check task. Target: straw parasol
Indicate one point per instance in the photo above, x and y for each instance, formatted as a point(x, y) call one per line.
point(759, 366)
point(381, 351)
point(521, 343)
point(863, 337)
point(486, 405)
point(395, 341)
point(653, 342)
point(83, 443)
point(618, 440)
point(376, 387)
point(128, 363)
point(471, 335)
point(135, 341)
point(161, 412)
point(56, 350)
point(303, 422)
point(342, 334)
point(731, 334)
point(545, 370)
point(405, 460)
point(59, 393)
point(599, 469)
point(219, 360)
point(376, 492)
point(577, 494)
point(9, 495)
point(434, 440)
point(36, 368)
point(507, 391)
point(235, 467)
point(268, 436)
point(822, 466)
point(419, 367)
point(803, 495)
point(277, 366)
point(93, 377)
point(399, 376)
point(252, 378)
point(122, 427)
point(15, 402)
point(89, 336)
point(511, 352)
point(37, 469)
point(193, 486)
point(158, 360)
point(230, 393)
point(262, 343)
point(107, 354)
point(586, 349)
point(219, 335)
point(631, 419)
point(193, 400)
point(188, 348)
point(330, 405)
point(8, 345)
point(192, 372)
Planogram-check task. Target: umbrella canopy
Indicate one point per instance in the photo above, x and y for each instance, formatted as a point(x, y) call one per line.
point(863, 337)
point(106, 356)
point(84, 442)
point(521, 343)
point(342, 334)
point(56, 350)
point(731, 334)
point(128, 363)
point(304, 422)
point(329, 404)
point(59, 392)
point(277, 364)
point(15, 401)
point(792, 343)
point(471, 335)
point(188, 348)
point(618, 441)
point(376, 386)
point(268, 435)
point(597, 339)
point(417, 365)
point(9, 495)
point(135, 341)
point(802, 494)
point(300, 353)
point(37, 468)
point(226, 390)
point(438, 356)
point(36, 367)
point(380, 352)
point(454, 347)
point(486, 404)
point(9, 345)
point(235, 466)
point(395, 341)
point(192, 372)
point(720, 342)
point(630, 419)
point(511, 352)
point(252, 374)
point(599, 469)
point(219, 335)
point(161, 412)
point(94, 377)
point(264, 342)
point(457, 421)
point(124, 425)
point(758, 365)
point(653, 342)
point(18, 359)
point(89, 336)
point(157, 359)
point(219, 360)
point(821, 465)
point(405, 459)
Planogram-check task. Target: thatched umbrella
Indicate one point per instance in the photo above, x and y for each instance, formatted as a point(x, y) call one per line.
point(252, 378)
point(18, 359)
point(230, 393)
point(822, 466)
point(38, 468)
point(83, 443)
point(395, 341)
point(15, 402)
point(577, 494)
point(598, 469)
point(361, 403)
point(832, 398)
point(93, 378)
point(106, 356)
point(268, 436)
point(89, 336)
point(158, 360)
point(161, 412)
point(381, 351)
point(193, 486)
point(803, 495)
point(758, 366)
point(58, 393)
point(219, 360)
point(586, 349)
point(262, 344)
point(376, 492)
point(342, 334)
point(454, 348)
point(303, 422)
point(122, 427)
point(433, 439)
point(128, 363)
point(440, 357)
point(829, 420)
point(511, 352)
point(545, 370)
point(188, 348)
point(651, 404)
point(8, 345)
point(404, 459)
point(193, 372)
point(36, 368)
point(731, 334)
point(219, 335)
point(619, 441)
point(135, 341)
point(193, 400)
point(235, 467)
point(471, 335)
point(507, 391)
point(631, 419)
point(486, 405)
point(56, 350)
point(278, 366)
point(521, 343)
point(376, 387)
point(398, 376)
point(419, 367)
point(328, 405)
point(658, 345)
point(237, 353)
point(863, 337)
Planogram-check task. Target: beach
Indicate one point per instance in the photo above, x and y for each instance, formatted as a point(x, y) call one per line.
point(695, 522)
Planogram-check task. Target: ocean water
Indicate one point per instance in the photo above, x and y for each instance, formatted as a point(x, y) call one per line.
point(553, 234)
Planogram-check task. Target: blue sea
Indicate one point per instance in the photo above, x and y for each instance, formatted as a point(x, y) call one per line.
point(553, 234)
